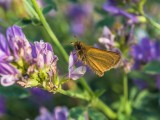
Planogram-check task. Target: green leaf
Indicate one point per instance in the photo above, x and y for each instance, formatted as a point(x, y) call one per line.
point(133, 93)
point(24, 22)
point(146, 106)
point(47, 9)
point(152, 68)
point(14, 91)
point(77, 113)
point(96, 115)
point(100, 92)
point(139, 75)
point(51, 3)
point(30, 10)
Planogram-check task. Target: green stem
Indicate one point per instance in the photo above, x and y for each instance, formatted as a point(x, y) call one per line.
point(49, 30)
point(30, 9)
point(105, 109)
point(150, 20)
point(125, 91)
point(73, 94)
point(100, 105)
point(155, 24)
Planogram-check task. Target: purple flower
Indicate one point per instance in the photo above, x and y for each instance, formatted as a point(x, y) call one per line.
point(79, 15)
point(5, 4)
point(4, 49)
point(6, 68)
point(59, 113)
point(145, 51)
point(41, 95)
point(18, 43)
point(141, 84)
point(7, 71)
point(75, 73)
point(9, 74)
point(2, 106)
point(112, 8)
point(44, 114)
point(19, 57)
point(107, 39)
point(43, 55)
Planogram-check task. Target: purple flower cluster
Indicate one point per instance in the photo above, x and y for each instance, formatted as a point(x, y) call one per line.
point(59, 113)
point(147, 50)
point(18, 57)
point(31, 64)
point(40, 96)
point(78, 15)
point(144, 52)
point(112, 7)
point(106, 41)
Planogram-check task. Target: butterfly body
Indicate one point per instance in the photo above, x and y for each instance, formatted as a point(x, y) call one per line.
point(98, 60)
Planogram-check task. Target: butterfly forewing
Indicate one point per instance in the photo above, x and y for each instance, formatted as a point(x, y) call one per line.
point(101, 60)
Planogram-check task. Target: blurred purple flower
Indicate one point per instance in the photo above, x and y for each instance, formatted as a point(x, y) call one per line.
point(112, 8)
point(141, 84)
point(2, 106)
point(44, 114)
point(59, 113)
point(75, 73)
point(5, 4)
point(18, 43)
point(41, 95)
point(146, 51)
point(78, 14)
point(107, 39)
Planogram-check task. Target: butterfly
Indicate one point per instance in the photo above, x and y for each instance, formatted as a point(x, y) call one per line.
point(98, 60)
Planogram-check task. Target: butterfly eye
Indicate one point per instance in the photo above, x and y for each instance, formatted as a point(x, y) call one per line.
point(79, 47)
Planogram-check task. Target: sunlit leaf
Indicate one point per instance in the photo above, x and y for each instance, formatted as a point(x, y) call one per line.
point(152, 68)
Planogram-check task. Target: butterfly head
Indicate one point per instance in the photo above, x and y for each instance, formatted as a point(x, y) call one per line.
point(77, 45)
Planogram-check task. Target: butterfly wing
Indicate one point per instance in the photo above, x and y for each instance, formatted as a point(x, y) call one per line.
point(101, 60)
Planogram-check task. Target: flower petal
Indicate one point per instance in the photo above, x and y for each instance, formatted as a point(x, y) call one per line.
point(71, 62)
point(6, 68)
point(44, 114)
point(8, 80)
point(77, 73)
point(4, 45)
point(60, 113)
point(18, 43)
